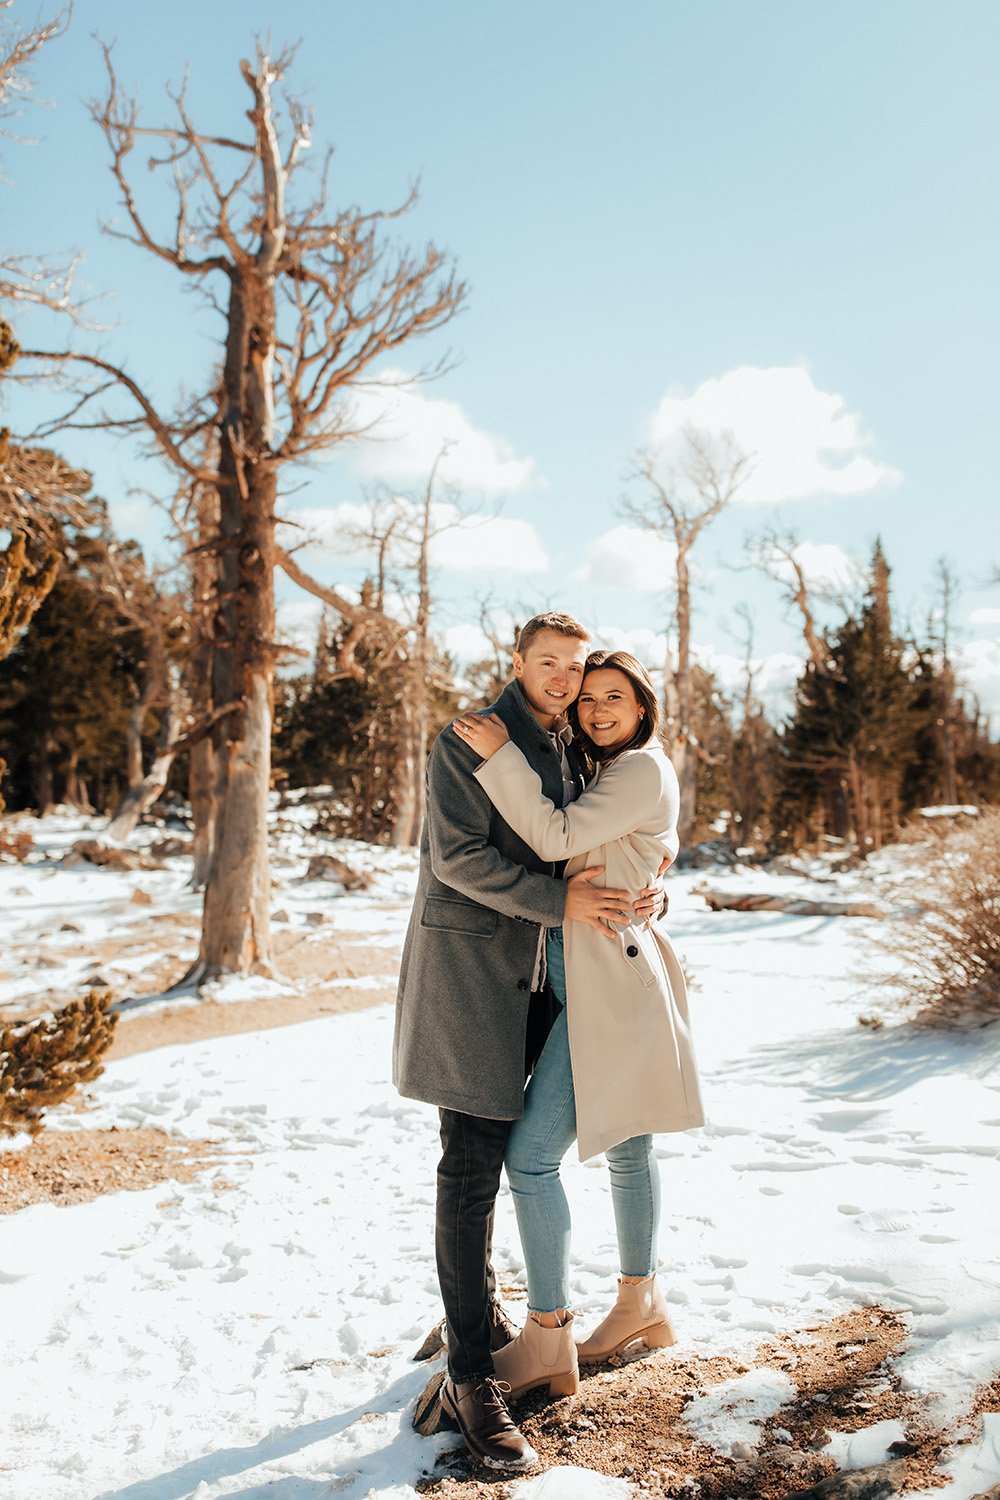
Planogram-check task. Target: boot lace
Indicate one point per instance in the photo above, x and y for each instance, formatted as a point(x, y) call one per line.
point(492, 1394)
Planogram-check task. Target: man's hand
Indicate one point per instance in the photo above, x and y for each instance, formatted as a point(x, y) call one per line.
point(594, 904)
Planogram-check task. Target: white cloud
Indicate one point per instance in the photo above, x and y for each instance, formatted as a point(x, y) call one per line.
point(985, 617)
point(492, 544)
point(628, 557)
point(804, 440)
point(407, 431)
point(464, 544)
point(828, 568)
point(979, 668)
point(466, 644)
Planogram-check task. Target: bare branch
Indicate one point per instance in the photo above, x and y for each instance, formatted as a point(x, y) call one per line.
point(161, 430)
point(775, 549)
point(360, 617)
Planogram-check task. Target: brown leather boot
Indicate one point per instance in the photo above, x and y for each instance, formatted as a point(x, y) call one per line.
point(639, 1313)
point(479, 1408)
point(540, 1356)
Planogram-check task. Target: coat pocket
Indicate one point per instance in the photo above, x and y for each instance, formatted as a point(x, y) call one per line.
point(636, 955)
point(443, 915)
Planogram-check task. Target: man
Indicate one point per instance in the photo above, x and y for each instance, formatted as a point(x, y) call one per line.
point(468, 988)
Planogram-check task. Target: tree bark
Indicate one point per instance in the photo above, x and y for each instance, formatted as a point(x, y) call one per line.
point(133, 740)
point(44, 795)
point(236, 928)
point(201, 762)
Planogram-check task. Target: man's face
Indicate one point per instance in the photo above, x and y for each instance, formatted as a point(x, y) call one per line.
point(550, 673)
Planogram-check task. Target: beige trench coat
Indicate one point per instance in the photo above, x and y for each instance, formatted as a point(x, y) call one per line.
point(634, 1069)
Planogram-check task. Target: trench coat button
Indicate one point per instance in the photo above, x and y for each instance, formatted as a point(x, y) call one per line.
point(632, 951)
point(522, 984)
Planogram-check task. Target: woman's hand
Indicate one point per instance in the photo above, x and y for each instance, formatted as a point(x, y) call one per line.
point(484, 733)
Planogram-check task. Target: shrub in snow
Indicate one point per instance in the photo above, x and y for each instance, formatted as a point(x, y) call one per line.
point(947, 957)
point(43, 1061)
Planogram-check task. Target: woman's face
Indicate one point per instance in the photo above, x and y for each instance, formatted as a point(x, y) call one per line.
point(608, 708)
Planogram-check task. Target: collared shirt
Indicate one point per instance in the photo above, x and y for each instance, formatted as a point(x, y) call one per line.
point(561, 737)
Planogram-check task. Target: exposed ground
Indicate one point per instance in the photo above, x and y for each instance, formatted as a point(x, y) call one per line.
point(627, 1421)
point(74, 1166)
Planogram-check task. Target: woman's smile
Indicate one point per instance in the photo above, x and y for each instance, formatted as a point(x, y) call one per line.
point(608, 708)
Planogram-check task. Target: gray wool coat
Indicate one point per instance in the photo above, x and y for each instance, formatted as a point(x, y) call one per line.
point(482, 896)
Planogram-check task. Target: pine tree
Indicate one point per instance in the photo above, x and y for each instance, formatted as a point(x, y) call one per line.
point(64, 698)
point(332, 729)
point(854, 728)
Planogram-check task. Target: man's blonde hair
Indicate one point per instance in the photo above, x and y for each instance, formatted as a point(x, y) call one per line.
point(552, 620)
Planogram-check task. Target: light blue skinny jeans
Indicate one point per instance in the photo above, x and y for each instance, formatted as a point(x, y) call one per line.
point(536, 1146)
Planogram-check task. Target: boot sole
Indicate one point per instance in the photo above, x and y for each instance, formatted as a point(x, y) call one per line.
point(660, 1337)
point(529, 1461)
point(559, 1385)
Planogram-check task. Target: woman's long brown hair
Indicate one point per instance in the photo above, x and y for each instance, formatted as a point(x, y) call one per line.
point(649, 721)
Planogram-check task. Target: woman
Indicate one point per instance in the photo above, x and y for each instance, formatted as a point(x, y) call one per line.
point(618, 1064)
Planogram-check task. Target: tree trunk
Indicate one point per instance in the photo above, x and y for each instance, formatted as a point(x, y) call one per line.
point(43, 788)
point(201, 762)
point(235, 924)
point(406, 820)
point(236, 935)
point(76, 787)
point(858, 792)
point(678, 702)
point(140, 797)
point(133, 740)
point(201, 794)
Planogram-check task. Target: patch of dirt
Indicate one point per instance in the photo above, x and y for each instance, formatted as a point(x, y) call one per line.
point(195, 1023)
point(627, 1419)
point(74, 1166)
point(327, 961)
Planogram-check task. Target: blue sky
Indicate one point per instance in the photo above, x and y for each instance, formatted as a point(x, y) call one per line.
point(646, 199)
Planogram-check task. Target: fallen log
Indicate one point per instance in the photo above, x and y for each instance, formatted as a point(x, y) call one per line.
point(796, 906)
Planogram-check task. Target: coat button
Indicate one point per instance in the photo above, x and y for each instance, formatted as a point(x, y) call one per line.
point(632, 951)
point(522, 984)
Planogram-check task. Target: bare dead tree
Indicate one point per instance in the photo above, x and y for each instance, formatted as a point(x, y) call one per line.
point(23, 278)
point(492, 672)
point(399, 534)
point(158, 619)
point(677, 508)
point(779, 556)
point(947, 706)
point(313, 298)
point(40, 493)
point(752, 758)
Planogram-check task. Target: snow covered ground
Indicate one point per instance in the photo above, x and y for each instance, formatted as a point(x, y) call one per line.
point(249, 1333)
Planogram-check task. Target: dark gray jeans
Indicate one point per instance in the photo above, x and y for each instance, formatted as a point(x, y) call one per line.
point(468, 1179)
